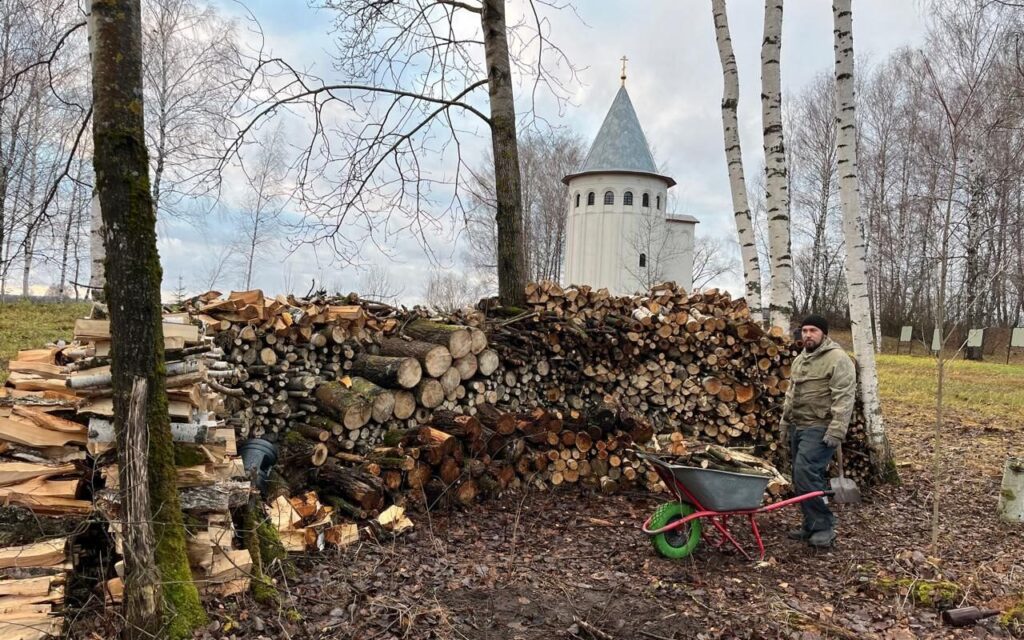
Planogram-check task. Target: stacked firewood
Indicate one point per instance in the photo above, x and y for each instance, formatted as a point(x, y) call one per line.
point(58, 407)
point(353, 368)
point(41, 459)
point(32, 583)
point(456, 458)
point(691, 362)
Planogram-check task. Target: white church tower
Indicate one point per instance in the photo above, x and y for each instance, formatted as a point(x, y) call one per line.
point(618, 234)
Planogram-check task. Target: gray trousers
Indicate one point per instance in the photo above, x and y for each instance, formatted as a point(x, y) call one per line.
point(810, 465)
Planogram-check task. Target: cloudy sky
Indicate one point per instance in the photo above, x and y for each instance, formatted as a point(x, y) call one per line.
point(674, 79)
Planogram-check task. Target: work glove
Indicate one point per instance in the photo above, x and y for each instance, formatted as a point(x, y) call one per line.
point(831, 441)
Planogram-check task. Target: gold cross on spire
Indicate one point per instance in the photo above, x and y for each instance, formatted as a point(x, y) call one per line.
point(623, 76)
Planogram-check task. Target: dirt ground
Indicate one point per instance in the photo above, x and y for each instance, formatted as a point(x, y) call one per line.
point(532, 566)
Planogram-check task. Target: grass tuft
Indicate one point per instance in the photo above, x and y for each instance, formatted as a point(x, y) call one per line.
point(30, 325)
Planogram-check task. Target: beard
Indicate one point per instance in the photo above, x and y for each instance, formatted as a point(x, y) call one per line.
point(810, 347)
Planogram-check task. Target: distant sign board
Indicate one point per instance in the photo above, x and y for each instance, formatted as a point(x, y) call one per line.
point(936, 341)
point(906, 334)
point(1017, 337)
point(975, 337)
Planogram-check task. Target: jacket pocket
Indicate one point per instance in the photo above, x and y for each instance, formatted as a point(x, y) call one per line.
point(812, 401)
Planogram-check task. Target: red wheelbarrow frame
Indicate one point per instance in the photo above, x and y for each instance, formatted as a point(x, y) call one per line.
point(720, 518)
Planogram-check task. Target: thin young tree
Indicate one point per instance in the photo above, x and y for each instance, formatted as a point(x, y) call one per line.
point(776, 179)
point(448, 291)
point(957, 95)
point(853, 231)
point(814, 191)
point(658, 248)
point(734, 161)
point(160, 597)
point(544, 159)
point(711, 261)
point(259, 215)
point(375, 284)
point(191, 62)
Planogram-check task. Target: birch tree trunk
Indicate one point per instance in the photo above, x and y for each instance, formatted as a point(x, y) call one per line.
point(853, 233)
point(97, 252)
point(776, 180)
point(163, 603)
point(734, 161)
point(510, 249)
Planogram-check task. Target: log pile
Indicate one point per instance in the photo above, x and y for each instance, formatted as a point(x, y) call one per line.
point(456, 458)
point(689, 362)
point(42, 447)
point(56, 428)
point(372, 406)
point(32, 582)
point(345, 371)
point(350, 368)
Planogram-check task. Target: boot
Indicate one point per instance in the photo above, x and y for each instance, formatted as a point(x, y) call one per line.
point(800, 534)
point(822, 539)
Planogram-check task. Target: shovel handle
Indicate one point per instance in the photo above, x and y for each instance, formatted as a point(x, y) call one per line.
point(839, 454)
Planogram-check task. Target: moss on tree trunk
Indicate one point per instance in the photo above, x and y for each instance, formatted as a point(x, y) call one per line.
point(133, 294)
point(263, 590)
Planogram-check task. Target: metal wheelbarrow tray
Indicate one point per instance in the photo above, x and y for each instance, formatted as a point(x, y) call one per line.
point(712, 495)
point(720, 490)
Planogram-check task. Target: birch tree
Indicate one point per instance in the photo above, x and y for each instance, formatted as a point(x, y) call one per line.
point(776, 180)
point(160, 598)
point(188, 71)
point(259, 217)
point(853, 232)
point(734, 161)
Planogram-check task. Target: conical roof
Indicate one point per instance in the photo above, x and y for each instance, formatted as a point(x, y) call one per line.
point(620, 145)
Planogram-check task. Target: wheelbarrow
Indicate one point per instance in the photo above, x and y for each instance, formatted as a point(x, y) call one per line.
point(712, 496)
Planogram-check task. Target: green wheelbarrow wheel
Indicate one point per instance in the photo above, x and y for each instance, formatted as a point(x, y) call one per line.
point(680, 542)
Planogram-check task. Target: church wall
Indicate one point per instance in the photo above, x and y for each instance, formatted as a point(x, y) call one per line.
point(600, 236)
point(679, 267)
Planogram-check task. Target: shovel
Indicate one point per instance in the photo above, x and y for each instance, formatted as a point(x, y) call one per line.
point(845, 489)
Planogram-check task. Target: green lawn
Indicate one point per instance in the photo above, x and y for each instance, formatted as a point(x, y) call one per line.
point(28, 325)
point(987, 388)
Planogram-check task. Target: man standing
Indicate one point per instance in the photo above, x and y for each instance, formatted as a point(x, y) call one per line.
point(816, 413)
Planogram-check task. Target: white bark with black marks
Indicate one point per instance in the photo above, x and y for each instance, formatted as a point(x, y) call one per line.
point(734, 160)
point(853, 231)
point(776, 179)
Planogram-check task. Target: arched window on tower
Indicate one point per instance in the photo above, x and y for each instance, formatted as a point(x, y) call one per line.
point(627, 199)
point(609, 197)
point(658, 200)
point(590, 199)
point(643, 260)
point(645, 201)
point(577, 201)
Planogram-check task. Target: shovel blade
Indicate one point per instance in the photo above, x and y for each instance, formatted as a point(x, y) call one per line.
point(846, 491)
